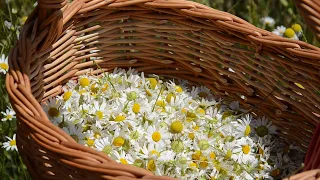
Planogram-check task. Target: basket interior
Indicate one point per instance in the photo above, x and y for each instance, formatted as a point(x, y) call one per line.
point(275, 77)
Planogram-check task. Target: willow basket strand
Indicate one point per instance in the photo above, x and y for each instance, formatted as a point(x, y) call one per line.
point(310, 10)
point(272, 76)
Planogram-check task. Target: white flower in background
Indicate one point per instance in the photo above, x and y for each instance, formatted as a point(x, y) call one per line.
point(4, 66)
point(8, 24)
point(8, 114)
point(267, 21)
point(279, 30)
point(10, 145)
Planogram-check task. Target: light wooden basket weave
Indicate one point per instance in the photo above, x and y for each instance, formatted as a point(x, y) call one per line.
point(310, 10)
point(274, 76)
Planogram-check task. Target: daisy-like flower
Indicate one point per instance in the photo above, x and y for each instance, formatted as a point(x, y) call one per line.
point(8, 115)
point(158, 136)
point(262, 126)
point(104, 144)
point(163, 128)
point(244, 150)
point(290, 33)
point(4, 67)
point(243, 126)
point(75, 132)
point(10, 145)
point(298, 29)
point(54, 109)
point(267, 21)
point(279, 30)
point(123, 157)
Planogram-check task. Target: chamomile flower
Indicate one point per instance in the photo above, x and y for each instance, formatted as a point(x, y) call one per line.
point(75, 132)
point(157, 136)
point(54, 109)
point(267, 21)
point(10, 145)
point(244, 151)
point(8, 115)
point(263, 127)
point(4, 67)
point(279, 30)
point(243, 128)
point(160, 126)
point(104, 144)
point(123, 157)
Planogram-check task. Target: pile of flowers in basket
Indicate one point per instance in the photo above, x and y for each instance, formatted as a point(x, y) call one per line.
point(170, 128)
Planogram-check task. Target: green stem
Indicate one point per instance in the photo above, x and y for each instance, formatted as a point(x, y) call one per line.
point(156, 99)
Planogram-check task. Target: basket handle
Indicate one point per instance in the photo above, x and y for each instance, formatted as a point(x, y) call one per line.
point(52, 15)
point(310, 11)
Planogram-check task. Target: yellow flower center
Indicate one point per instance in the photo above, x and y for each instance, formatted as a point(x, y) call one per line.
point(119, 118)
point(246, 149)
point(229, 154)
point(184, 110)
point(118, 141)
point(4, 66)
point(203, 162)
point(176, 126)
point(170, 96)
point(153, 83)
point(123, 161)
point(67, 95)
point(260, 151)
point(196, 155)
point(179, 89)
point(203, 94)
point(289, 33)
point(193, 165)
point(97, 135)
point(201, 111)
point(154, 152)
point(12, 142)
point(81, 92)
point(212, 155)
point(53, 112)
point(196, 128)
point(90, 142)
point(105, 87)
point(8, 117)
point(191, 136)
point(296, 27)
point(94, 88)
point(148, 93)
point(156, 136)
point(151, 165)
point(136, 108)
point(99, 114)
point(161, 103)
point(247, 130)
point(84, 82)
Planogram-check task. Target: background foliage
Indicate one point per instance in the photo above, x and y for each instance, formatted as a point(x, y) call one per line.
point(15, 12)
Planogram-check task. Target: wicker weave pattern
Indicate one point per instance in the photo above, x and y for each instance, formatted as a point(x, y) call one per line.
point(275, 76)
point(310, 10)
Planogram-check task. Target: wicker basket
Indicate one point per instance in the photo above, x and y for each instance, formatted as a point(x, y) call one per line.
point(274, 76)
point(310, 10)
